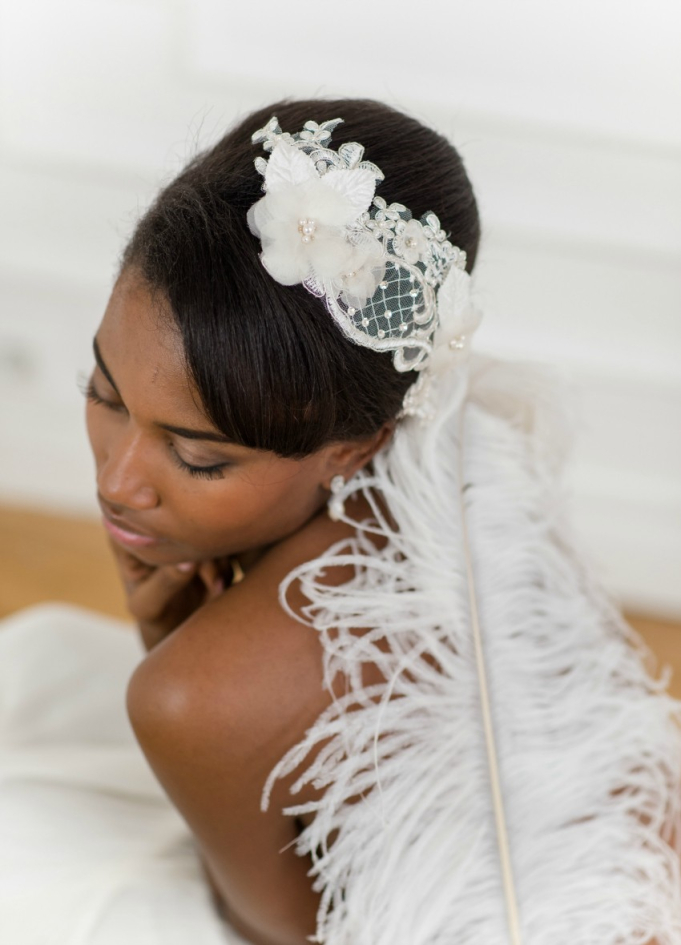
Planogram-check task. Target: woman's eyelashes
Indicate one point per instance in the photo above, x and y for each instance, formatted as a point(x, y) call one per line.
point(214, 471)
point(91, 394)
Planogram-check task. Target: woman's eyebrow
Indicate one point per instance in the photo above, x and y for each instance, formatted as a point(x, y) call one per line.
point(102, 366)
point(195, 434)
point(185, 432)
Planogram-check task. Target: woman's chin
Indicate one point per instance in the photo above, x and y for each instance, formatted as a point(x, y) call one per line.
point(170, 555)
point(160, 556)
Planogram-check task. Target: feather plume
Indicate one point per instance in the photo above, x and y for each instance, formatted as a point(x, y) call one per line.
point(516, 780)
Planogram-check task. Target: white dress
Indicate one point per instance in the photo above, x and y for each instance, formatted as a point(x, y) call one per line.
point(91, 850)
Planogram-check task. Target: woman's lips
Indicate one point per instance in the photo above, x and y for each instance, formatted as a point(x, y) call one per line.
point(134, 539)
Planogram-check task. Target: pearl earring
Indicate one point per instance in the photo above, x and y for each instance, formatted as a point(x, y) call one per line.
point(336, 504)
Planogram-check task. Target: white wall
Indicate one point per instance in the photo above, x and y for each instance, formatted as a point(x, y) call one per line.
point(567, 113)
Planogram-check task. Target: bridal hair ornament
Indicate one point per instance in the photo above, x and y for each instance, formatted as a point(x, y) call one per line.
point(390, 282)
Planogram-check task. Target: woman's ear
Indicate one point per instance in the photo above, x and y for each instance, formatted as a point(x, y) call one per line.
point(346, 458)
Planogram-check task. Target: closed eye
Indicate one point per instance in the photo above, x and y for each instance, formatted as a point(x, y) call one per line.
point(214, 471)
point(90, 392)
point(202, 472)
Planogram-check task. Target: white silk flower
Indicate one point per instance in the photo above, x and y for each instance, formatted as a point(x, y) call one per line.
point(304, 218)
point(458, 317)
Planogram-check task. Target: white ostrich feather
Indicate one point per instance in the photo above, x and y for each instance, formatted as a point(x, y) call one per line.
point(409, 846)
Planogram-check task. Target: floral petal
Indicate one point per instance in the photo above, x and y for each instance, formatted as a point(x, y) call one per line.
point(365, 271)
point(257, 216)
point(459, 317)
point(281, 205)
point(352, 153)
point(286, 260)
point(288, 165)
point(330, 255)
point(357, 186)
point(322, 204)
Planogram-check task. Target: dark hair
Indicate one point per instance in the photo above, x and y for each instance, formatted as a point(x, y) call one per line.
point(272, 368)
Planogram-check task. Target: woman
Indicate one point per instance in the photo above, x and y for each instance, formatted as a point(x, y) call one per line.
point(278, 414)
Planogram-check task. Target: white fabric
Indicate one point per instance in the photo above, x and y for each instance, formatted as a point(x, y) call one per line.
point(91, 851)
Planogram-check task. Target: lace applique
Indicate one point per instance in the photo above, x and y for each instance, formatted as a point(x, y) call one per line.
point(376, 267)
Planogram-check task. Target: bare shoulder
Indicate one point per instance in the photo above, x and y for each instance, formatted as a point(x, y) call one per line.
point(215, 707)
point(242, 666)
point(242, 656)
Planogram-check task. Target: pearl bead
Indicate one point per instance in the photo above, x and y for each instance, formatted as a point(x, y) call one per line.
point(307, 229)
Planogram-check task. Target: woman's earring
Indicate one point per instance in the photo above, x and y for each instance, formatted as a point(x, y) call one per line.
point(336, 504)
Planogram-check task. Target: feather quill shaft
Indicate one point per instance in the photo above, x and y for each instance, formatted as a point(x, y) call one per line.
point(512, 912)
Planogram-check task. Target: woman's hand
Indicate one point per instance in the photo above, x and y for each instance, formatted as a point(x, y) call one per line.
point(162, 598)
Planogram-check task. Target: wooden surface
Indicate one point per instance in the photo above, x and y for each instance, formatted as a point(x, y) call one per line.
point(49, 557)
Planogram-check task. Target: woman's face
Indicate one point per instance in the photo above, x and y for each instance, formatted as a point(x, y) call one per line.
point(171, 487)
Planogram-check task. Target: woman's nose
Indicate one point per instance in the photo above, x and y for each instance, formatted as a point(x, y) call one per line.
point(122, 476)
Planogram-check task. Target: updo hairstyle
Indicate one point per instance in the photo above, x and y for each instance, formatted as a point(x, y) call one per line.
point(271, 367)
